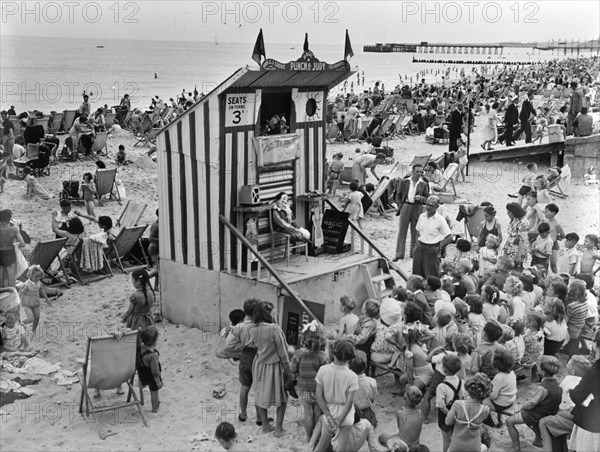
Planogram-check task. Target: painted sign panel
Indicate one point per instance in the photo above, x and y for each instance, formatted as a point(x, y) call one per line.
point(239, 109)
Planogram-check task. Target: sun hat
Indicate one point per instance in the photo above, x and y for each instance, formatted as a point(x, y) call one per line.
point(390, 311)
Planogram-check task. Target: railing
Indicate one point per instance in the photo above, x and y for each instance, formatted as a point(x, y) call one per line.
point(354, 229)
point(244, 242)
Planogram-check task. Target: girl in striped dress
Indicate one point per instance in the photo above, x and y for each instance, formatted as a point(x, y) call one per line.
point(270, 365)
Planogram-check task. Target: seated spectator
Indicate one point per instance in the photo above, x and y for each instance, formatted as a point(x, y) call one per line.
point(583, 124)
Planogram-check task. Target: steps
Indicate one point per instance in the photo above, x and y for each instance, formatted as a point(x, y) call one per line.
point(381, 285)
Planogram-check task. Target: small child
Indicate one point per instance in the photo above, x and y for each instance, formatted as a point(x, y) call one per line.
point(334, 173)
point(566, 261)
point(148, 364)
point(463, 345)
point(305, 365)
point(87, 192)
point(418, 370)
point(233, 348)
point(541, 249)
point(544, 402)
point(30, 295)
point(504, 387)
point(444, 326)
point(341, 125)
point(463, 160)
point(14, 338)
point(121, 157)
point(435, 357)
point(488, 256)
point(227, 436)
point(534, 342)
point(516, 345)
point(349, 320)
point(590, 254)
point(366, 328)
point(432, 290)
point(364, 399)
point(540, 128)
point(542, 191)
point(528, 182)
point(414, 286)
point(484, 354)
point(409, 420)
point(448, 392)
point(353, 205)
point(468, 415)
point(476, 318)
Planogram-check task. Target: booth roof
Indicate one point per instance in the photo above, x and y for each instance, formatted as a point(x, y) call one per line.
point(290, 79)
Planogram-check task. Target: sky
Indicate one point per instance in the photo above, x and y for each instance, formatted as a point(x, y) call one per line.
point(287, 21)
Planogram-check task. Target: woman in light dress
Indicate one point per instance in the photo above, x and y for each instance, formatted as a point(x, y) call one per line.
point(490, 130)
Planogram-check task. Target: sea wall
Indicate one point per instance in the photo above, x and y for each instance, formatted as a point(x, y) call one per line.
point(581, 153)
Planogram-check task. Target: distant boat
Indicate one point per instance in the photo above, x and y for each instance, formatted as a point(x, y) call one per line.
point(99, 47)
point(292, 48)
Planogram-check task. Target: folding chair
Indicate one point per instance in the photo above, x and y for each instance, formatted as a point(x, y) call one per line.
point(131, 214)
point(149, 137)
point(43, 254)
point(473, 223)
point(420, 160)
point(404, 127)
point(109, 363)
point(105, 185)
point(100, 146)
point(109, 119)
point(43, 121)
point(86, 278)
point(55, 122)
point(281, 238)
point(124, 243)
point(411, 108)
point(448, 176)
point(68, 120)
point(332, 132)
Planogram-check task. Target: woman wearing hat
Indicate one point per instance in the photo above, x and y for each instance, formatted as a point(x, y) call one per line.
point(33, 132)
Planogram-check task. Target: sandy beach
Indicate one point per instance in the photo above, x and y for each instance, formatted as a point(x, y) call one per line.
point(49, 420)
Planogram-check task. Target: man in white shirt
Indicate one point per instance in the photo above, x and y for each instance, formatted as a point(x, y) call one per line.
point(434, 234)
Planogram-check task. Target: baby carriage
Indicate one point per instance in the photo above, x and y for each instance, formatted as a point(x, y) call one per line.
point(37, 157)
point(70, 190)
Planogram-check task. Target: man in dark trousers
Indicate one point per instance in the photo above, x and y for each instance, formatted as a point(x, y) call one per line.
point(456, 126)
point(411, 195)
point(526, 111)
point(511, 117)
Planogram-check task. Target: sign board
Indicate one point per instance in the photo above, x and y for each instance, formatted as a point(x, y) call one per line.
point(239, 109)
point(277, 148)
point(293, 329)
point(335, 226)
point(307, 62)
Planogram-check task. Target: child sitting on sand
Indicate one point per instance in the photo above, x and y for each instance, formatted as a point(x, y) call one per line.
point(13, 334)
point(409, 420)
point(148, 364)
point(227, 437)
point(121, 157)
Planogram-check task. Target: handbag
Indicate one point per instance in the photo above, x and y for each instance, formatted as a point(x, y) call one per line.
point(21, 262)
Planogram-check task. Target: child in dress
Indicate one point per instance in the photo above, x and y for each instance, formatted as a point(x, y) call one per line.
point(336, 387)
point(419, 372)
point(30, 295)
point(349, 320)
point(409, 420)
point(462, 158)
point(448, 392)
point(488, 255)
point(87, 192)
point(540, 128)
point(334, 173)
point(148, 364)
point(517, 343)
point(476, 318)
point(504, 387)
point(13, 334)
point(364, 399)
point(544, 402)
point(139, 315)
point(227, 437)
point(534, 343)
point(304, 366)
point(353, 205)
point(468, 415)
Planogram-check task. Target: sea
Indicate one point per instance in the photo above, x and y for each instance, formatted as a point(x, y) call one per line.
point(50, 74)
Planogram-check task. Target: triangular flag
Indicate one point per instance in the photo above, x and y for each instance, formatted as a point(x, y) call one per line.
point(306, 42)
point(348, 52)
point(195, 90)
point(259, 48)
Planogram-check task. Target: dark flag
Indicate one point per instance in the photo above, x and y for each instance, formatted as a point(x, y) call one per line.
point(348, 52)
point(259, 48)
point(195, 91)
point(306, 42)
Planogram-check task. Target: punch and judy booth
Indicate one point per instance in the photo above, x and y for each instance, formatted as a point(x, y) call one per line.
point(221, 163)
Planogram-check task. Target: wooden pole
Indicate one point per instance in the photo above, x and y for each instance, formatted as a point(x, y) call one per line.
point(470, 108)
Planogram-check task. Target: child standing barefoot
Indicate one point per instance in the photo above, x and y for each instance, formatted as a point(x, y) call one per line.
point(30, 295)
point(409, 419)
point(468, 415)
point(305, 364)
point(87, 191)
point(353, 205)
point(544, 402)
point(148, 365)
point(139, 314)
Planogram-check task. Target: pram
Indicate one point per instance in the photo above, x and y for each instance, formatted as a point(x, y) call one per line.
point(70, 190)
point(37, 157)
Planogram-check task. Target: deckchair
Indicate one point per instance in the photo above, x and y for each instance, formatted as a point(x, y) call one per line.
point(420, 160)
point(473, 223)
point(68, 120)
point(448, 176)
point(105, 185)
point(363, 129)
point(109, 362)
point(109, 119)
point(384, 182)
point(86, 278)
point(43, 121)
point(100, 144)
point(149, 137)
point(54, 124)
point(131, 214)
point(411, 108)
point(332, 132)
point(18, 129)
point(124, 243)
point(43, 254)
